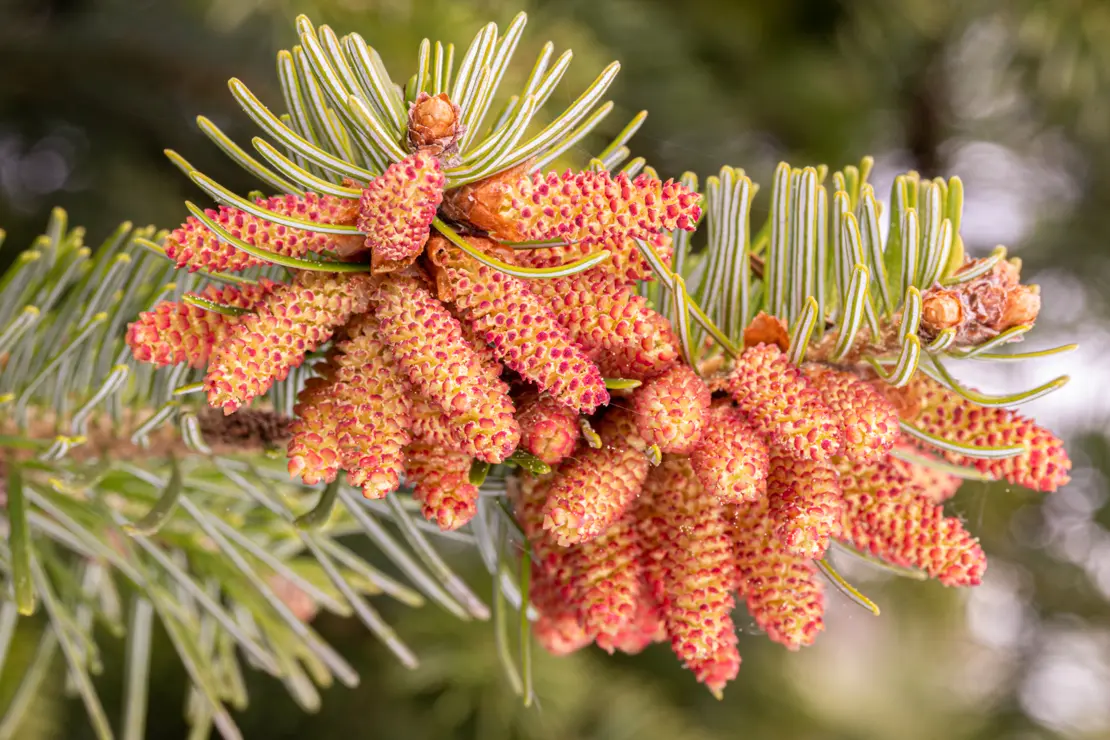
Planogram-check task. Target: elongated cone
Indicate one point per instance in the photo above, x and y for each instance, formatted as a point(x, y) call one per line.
point(193, 246)
point(645, 628)
point(440, 483)
point(521, 331)
point(313, 449)
point(397, 208)
point(938, 485)
point(886, 516)
point(611, 322)
point(670, 410)
point(805, 504)
point(174, 333)
point(783, 592)
point(605, 581)
point(548, 429)
point(780, 403)
point(592, 490)
point(868, 422)
point(699, 577)
point(730, 460)
point(430, 349)
point(356, 417)
point(943, 413)
point(575, 206)
point(292, 320)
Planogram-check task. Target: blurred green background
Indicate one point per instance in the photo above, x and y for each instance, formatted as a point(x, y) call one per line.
point(1011, 95)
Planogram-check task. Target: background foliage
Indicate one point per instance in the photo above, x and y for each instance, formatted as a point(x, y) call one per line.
point(1013, 96)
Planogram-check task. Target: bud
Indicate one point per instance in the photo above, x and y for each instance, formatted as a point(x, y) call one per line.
point(940, 309)
point(982, 307)
point(434, 125)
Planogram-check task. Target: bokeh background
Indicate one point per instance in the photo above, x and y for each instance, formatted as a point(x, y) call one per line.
point(1011, 95)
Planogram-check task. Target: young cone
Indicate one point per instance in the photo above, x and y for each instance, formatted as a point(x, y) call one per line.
point(548, 429)
point(397, 208)
point(805, 504)
point(575, 206)
point(868, 422)
point(292, 320)
point(730, 460)
point(592, 490)
point(429, 346)
point(783, 591)
point(670, 410)
point(611, 322)
point(886, 516)
point(699, 575)
point(943, 413)
point(605, 582)
point(356, 417)
point(523, 333)
point(558, 629)
point(938, 485)
point(781, 404)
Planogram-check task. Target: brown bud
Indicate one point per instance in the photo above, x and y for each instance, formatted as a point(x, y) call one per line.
point(434, 125)
point(766, 329)
point(940, 309)
point(1022, 306)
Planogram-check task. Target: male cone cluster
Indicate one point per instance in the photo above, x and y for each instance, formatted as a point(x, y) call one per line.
point(427, 349)
point(753, 486)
